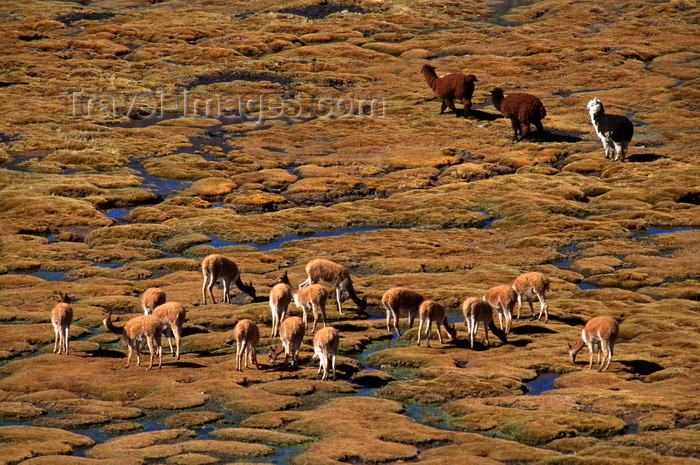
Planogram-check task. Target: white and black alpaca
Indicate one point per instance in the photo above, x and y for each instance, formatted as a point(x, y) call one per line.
point(614, 131)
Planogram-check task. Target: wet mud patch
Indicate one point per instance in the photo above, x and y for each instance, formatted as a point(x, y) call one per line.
point(322, 9)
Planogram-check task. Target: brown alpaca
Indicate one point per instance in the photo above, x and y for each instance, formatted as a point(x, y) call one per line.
point(450, 87)
point(291, 336)
point(338, 276)
point(280, 297)
point(173, 315)
point(133, 333)
point(477, 311)
point(531, 283)
point(601, 331)
point(399, 299)
point(247, 337)
point(503, 299)
point(325, 349)
point(431, 311)
point(521, 109)
point(61, 318)
point(151, 298)
point(217, 266)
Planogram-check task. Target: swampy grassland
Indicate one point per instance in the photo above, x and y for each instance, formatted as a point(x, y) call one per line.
point(102, 200)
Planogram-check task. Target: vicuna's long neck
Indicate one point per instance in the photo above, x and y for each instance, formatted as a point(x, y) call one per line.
point(111, 328)
point(361, 303)
point(576, 347)
point(247, 288)
point(430, 77)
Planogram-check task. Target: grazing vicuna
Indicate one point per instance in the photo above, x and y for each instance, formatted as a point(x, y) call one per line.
point(280, 297)
point(521, 109)
point(172, 315)
point(399, 299)
point(614, 131)
point(217, 266)
point(431, 311)
point(312, 297)
point(247, 336)
point(291, 336)
point(503, 299)
point(477, 311)
point(151, 298)
point(134, 332)
point(531, 283)
point(61, 318)
point(451, 87)
point(325, 349)
point(338, 276)
point(601, 331)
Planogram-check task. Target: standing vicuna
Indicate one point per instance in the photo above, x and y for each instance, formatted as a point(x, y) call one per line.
point(172, 315)
point(247, 336)
point(133, 333)
point(325, 349)
point(61, 318)
point(531, 283)
point(280, 297)
point(601, 331)
point(503, 299)
point(338, 276)
point(399, 299)
point(522, 110)
point(451, 87)
point(431, 311)
point(614, 131)
point(151, 298)
point(477, 311)
point(217, 266)
point(291, 336)
point(312, 297)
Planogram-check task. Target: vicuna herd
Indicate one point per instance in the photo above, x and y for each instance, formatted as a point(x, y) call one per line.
point(161, 316)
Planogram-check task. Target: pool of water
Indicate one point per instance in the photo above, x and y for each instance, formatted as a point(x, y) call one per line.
point(655, 231)
point(160, 186)
point(277, 243)
point(116, 213)
point(541, 384)
point(584, 286)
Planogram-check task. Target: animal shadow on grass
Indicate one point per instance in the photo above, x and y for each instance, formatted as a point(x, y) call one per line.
point(641, 367)
point(531, 329)
point(107, 353)
point(643, 158)
point(570, 320)
point(181, 364)
point(481, 115)
point(553, 135)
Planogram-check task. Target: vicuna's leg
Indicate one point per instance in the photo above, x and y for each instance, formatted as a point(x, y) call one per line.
point(420, 329)
point(590, 350)
point(66, 338)
point(411, 318)
point(131, 350)
point(391, 316)
point(429, 331)
point(529, 301)
point(208, 286)
point(239, 353)
point(338, 297)
point(543, 307)
point(500, 315)
point(149, 340)
point(227, 285)
point(333, 362)
point(623, 150)
point(486, 334)
point(253, 356)
point(609, 351)
point(470, 330)
point(57, 339)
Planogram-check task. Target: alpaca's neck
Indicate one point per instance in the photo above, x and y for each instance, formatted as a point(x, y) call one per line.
point(430, 77)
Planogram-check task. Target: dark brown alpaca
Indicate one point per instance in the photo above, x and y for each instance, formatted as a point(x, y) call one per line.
point(521, 109)
point(451, 87)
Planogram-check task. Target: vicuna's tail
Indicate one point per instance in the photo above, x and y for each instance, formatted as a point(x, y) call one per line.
point(500, 334)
